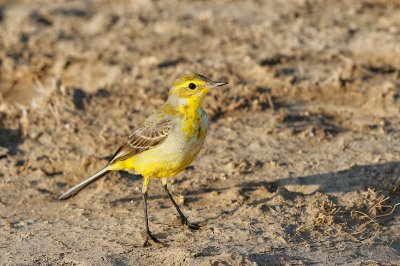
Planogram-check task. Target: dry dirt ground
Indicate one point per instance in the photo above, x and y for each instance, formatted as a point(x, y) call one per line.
point(301, 165)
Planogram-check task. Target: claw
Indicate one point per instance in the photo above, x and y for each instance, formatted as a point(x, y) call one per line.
point(189, 225)
point(193, 226)
point(149, 239)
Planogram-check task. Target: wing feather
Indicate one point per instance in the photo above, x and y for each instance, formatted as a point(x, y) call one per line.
point(153, 132)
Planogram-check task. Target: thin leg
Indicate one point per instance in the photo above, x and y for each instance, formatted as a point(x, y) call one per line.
point(183, 218)
point(146, 234)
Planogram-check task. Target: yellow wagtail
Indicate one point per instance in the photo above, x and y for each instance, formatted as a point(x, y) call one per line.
point(165, 144)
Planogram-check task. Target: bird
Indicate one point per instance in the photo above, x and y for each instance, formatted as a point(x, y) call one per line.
point(164, 145)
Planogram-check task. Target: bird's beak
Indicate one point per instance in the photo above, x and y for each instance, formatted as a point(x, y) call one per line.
point(217, 84)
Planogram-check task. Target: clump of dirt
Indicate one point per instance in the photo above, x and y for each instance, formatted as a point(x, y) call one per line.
point(320, 211)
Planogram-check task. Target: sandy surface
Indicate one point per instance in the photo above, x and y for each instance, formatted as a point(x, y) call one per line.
point(301, 165)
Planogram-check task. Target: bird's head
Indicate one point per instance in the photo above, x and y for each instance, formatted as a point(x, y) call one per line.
point(191, 89)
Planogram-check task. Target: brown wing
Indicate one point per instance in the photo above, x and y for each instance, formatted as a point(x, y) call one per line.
point(153, 132)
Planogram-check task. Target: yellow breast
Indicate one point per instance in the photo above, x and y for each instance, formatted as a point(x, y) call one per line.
point(174, 154)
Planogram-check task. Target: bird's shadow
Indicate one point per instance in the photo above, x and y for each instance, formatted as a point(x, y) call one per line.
point(355, 178)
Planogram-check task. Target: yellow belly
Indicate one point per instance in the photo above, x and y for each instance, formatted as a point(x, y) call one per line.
point(169, 158)
point(155, 166)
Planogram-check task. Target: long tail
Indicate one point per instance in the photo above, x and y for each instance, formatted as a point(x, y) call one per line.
point(71, 192)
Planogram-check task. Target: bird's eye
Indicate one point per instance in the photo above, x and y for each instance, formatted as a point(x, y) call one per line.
point(192, 86)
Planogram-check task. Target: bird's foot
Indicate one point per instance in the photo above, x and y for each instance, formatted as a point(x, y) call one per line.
point(149, 239)
point(189, 225)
